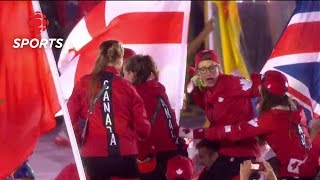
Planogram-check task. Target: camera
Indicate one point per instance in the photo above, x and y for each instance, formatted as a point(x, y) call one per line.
point(257, 166)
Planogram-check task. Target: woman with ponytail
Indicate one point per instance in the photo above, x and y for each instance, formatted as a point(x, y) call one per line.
point(164, 142)
point(281, 123)
point(116, 117)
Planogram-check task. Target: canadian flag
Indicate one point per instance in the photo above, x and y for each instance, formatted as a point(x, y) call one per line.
point(157, 28)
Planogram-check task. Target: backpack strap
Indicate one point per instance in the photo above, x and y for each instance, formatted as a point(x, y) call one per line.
point(96, 98)
point(156, 112)
point(90, 110)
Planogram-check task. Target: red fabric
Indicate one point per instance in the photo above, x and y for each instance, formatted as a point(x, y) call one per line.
point(275, 82)
point(274, 127)
point(299, 33)
point(129, 115)
point(179, 167)
point(229, 102)
point(236, 178)
point(139, 24)
point(192, 71)
point(28, 100)
point(147, 166)
point(312, 162)
point(198, 98)
point(199, 133)
point(160, 137)
point(128, 53)
point(211, 53)
point(256, 82)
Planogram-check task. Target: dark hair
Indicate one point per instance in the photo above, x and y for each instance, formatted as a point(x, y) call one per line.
point(206, 56)
point(269, 100)
point(109, 52)
point(142, 66)
point(211, 145)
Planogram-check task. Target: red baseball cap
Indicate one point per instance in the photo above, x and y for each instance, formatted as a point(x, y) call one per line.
point(128, 53)
point(275, 82)
point(179, 167)
point(211, 53)
point(147, 166)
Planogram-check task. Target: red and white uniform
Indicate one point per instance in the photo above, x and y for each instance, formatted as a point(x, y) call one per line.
point(289, 140)
point(130, 117)
point(160, 137)
point(229, 102)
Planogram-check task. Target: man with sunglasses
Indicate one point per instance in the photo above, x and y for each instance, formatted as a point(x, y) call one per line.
point(226, 100)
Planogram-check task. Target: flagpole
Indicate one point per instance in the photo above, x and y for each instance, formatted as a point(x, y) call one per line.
point(209, 15)
point(67, 120)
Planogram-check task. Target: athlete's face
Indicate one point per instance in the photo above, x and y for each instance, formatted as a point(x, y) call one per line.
point(208, 71)
point(128, 75)
point(207, 157)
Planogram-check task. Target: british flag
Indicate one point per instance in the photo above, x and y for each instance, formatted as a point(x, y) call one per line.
point(297, 55)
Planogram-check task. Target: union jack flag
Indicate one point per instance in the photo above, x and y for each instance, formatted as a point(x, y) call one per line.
point(297, 55)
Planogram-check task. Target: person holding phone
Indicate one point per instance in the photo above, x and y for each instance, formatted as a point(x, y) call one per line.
point(226, 99)
point(281, 123)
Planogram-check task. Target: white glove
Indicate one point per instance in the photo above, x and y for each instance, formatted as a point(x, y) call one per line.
point(186, 133)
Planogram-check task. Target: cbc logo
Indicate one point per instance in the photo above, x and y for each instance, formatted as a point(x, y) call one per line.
point(37, 24)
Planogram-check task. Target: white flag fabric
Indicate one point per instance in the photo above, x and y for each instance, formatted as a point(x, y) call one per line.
point(157, 28)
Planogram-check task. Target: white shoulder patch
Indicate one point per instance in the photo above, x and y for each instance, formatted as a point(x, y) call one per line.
point(294, 165)
point(179, 171)
point(253, 122)
point(227, 128)
point(246, 84)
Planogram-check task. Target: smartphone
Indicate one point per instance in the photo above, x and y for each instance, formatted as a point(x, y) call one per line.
point(257, 166)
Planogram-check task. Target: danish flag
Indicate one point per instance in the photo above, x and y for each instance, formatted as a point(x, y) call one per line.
point(297, 55)
point(157, 28)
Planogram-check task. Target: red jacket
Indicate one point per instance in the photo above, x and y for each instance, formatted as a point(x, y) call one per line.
point(130, 120)
point(290, 146)
point(229, 102)
point(160, 136)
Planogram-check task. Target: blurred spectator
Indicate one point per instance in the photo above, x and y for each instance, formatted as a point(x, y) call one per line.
point(208, 152)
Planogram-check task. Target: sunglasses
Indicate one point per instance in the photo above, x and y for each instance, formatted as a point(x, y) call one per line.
point(203, 70)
